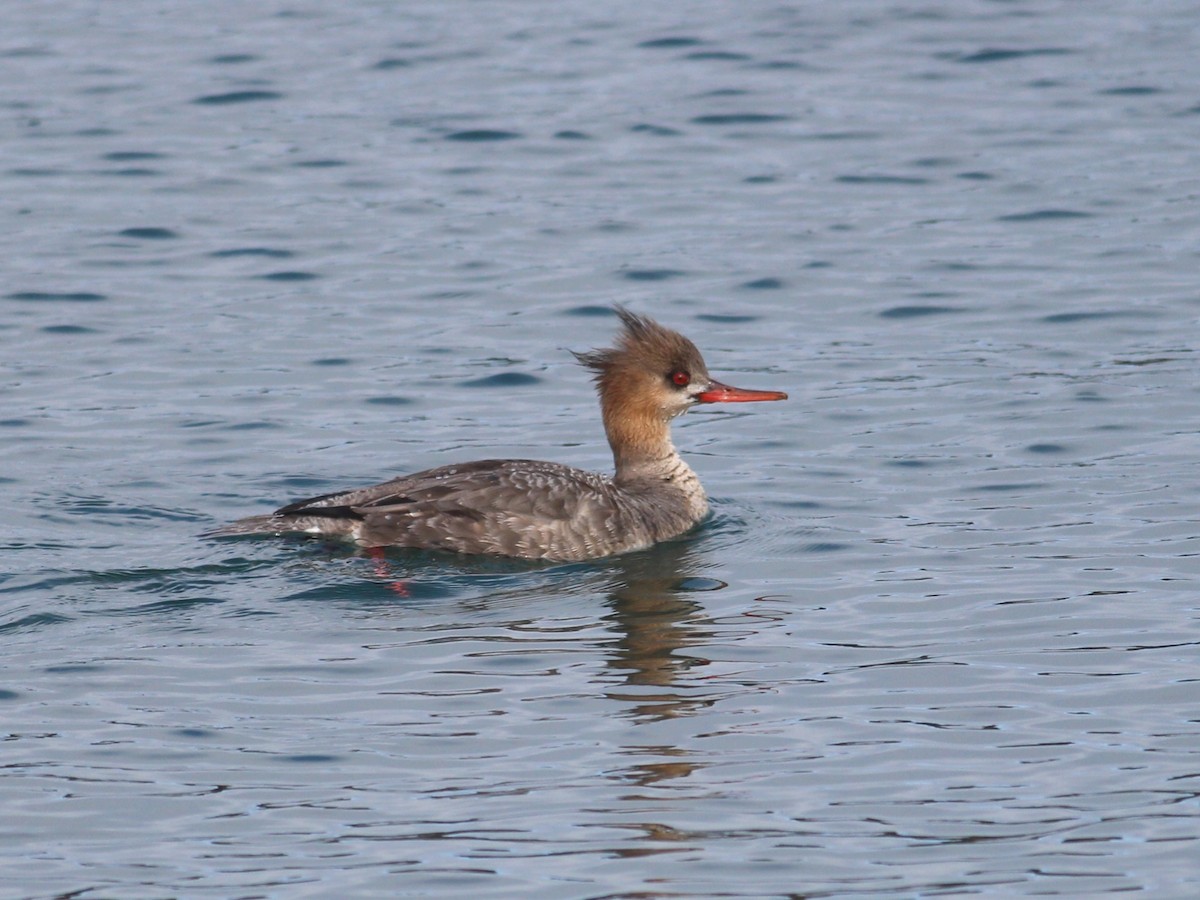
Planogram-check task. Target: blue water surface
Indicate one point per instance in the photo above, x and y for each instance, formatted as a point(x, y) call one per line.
point(941, 634)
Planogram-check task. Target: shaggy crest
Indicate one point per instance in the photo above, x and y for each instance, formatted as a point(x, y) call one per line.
point(644, 346)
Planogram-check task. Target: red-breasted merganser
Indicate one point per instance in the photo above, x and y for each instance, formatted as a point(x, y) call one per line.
point(528, 509)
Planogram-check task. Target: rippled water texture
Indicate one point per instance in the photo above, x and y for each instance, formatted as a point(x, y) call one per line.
point(940, 636)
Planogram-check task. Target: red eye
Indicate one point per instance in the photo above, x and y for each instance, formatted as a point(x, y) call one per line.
point(682, 379)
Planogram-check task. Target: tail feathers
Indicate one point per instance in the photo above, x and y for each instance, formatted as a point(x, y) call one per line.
point(255, 525)
point(299, 518)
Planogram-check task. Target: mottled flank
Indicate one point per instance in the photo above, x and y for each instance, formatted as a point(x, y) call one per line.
point(502, 507)
point(543, 510)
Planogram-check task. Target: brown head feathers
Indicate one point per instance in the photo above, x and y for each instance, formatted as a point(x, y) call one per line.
point(644, 346)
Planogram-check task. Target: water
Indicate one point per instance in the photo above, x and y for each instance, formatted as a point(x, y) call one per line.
point(940, 636)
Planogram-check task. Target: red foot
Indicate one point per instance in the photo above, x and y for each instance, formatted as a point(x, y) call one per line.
point(384, 570)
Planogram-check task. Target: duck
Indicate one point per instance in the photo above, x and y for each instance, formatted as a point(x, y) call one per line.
point(538, 510)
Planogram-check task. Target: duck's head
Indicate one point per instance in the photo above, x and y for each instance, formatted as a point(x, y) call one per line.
point(652, 375)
